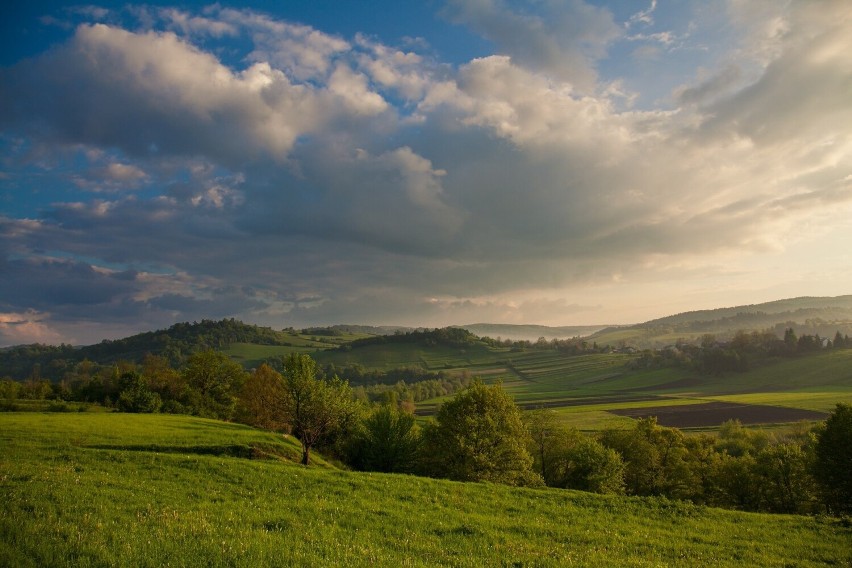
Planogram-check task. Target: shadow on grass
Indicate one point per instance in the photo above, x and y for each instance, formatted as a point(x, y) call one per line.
point(251, 452)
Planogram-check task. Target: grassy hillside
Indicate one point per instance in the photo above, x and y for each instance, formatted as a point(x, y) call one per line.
point(584, 389)
point(823, 316)
point(131, 490)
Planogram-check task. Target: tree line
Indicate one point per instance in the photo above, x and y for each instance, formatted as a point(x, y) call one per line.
point(176, 344)
point(481, 435)
point(746, 350)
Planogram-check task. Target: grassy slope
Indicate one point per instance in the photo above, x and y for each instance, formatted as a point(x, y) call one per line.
point(251, 354)
point(592, 384)
point(724, 322)
point(589, 385)
point(74, 494)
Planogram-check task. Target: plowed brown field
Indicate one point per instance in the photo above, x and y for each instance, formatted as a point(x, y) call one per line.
point(714, 413)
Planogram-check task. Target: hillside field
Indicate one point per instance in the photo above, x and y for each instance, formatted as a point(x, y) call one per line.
point(110, 489)
point(600, 390)
point(583, 389)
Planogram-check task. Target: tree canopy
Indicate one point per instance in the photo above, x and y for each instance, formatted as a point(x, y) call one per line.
point(313, 406)
point(833, 464)
point(479, 436)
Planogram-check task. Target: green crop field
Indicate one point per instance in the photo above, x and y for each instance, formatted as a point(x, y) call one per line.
point(582, 388)
point(83, 489)
point(397, 355)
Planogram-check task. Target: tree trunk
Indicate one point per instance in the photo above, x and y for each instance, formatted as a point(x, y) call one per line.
point(306, 451)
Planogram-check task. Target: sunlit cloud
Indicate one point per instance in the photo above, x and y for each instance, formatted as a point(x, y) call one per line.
point(317, 178)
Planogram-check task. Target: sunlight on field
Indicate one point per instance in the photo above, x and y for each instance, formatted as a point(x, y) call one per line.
point(99, 490)
point(822, 401)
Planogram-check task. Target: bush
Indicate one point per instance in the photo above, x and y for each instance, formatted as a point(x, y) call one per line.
point(479, 436)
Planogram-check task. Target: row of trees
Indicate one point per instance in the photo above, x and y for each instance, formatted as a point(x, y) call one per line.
point(176, 344)
point(744, 351)
point(481, 435)
point(209, 384)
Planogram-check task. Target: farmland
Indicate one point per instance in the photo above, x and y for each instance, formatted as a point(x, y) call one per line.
point(584, 389)
point(88, 489)
point(713, 413)
point(579, 379)
point(592, 391)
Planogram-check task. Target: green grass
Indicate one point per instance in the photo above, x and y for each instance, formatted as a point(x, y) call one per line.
point(252, 354)
point(99, 490)
point(820, 401)
point(588, 385)
point(434, 358)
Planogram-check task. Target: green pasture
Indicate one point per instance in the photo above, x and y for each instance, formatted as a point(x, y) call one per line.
point(820, 401)
point(396, 355)
point(829, 370)
point(252, 355)
point(130, 490)
point(581, 389)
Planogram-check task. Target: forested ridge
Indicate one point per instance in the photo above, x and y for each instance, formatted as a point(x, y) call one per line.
point(175, 344)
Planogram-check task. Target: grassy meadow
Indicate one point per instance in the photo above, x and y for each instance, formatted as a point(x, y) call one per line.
point(581, 389)
point(108, 489)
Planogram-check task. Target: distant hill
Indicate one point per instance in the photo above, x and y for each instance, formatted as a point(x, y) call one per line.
point(175, 343)
point(530, 332)
point(806, 315)
point(806, 307)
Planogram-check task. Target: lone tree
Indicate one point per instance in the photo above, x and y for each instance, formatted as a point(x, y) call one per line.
point(479, 436)
point(314, 407)
point(833, 464)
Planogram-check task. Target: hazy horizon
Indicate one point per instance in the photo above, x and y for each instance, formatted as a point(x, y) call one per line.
point(418, 164)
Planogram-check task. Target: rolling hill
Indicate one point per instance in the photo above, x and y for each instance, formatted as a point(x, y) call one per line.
point(823, 316)
point(153, 490)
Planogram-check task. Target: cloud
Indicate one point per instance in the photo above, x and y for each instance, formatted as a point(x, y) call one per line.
point(27, 327)
point(713, 87)
point(300, 51)
point(111, 178)
point(325, 179)
point(564, 39)
point(191, 25)
point(155, 93)
point(643, 17)
point(802, 92)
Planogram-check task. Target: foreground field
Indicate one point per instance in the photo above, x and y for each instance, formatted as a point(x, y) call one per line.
point(146, 490)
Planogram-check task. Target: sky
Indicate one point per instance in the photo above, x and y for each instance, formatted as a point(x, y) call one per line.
point(555, 162)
